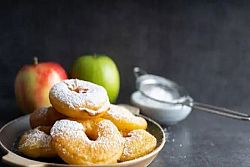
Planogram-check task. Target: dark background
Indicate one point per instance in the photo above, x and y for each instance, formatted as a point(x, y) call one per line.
point(202, 45)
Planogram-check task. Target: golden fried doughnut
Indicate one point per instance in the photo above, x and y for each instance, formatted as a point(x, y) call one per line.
point(79, 99)
point(124, 119)
point(37, 143)
point(138, 143)
point(74, 147)
point(45, 116)
point(91, 127)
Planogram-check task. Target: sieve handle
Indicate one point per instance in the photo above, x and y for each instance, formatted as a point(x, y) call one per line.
point(220, 111)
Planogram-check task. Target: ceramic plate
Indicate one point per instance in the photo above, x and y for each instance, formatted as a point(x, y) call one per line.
point(10, 133)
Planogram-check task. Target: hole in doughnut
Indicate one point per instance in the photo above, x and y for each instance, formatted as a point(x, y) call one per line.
point(91, 134)
point(91, 127)
point(79, 89)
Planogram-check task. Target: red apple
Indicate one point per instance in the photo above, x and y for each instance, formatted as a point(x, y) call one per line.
point(33, 83)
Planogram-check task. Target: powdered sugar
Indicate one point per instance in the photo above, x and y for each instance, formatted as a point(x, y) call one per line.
point(133, 136)
point(118, 113)
point(70, 140)
point(67, 128)
point(139, 143)
point(82, 95)
point(107, 132)
point(34, 137)
point(109, 136)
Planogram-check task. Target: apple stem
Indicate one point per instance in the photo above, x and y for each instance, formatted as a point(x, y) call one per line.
point(35, 60)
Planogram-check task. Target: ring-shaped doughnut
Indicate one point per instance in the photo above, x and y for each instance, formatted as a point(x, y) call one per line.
point(124, 119)
point(74, 147)
point(37, 143)
point(138, 143)
point(90, 127)
point(45, 116)
point(79, 99)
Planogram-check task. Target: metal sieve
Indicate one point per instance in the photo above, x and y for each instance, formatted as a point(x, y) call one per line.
point(165, 91)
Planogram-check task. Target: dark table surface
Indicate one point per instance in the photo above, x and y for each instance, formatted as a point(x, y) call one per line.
point(205, 139)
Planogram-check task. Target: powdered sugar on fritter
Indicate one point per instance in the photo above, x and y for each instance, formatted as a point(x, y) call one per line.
point(67, 128)
point(70, 139)
point(135, 135)
point(109, 136)
point(118, 113)
point(34, 136)
point(82, 95)
point(138, 143)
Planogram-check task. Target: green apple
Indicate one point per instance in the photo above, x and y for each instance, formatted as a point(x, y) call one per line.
point(99, 69)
